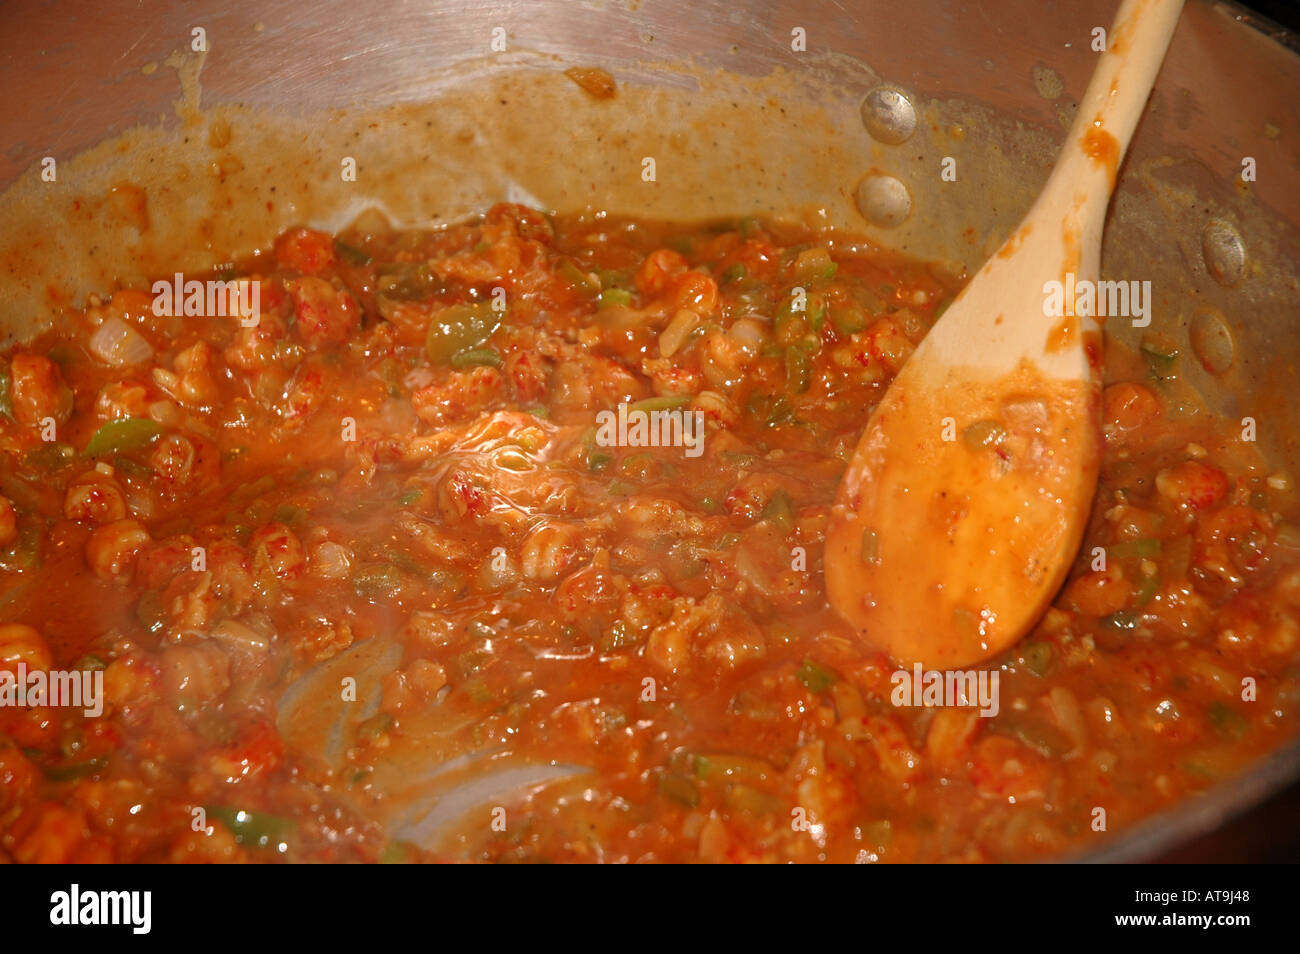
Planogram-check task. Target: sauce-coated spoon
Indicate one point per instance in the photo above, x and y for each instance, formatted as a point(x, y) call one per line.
point(966, 499)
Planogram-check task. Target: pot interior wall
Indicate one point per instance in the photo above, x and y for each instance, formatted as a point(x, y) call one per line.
point(169, 159)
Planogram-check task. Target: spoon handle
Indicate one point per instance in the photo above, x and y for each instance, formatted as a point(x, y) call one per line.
point(1109, 112)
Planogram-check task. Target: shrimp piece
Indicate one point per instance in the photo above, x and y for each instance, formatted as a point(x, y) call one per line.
point(1127, 408)
point(277, 548)
point(254, 348)
point(407, 688)
point(326, 315)
point(463, 393)
point(305, 251)
point(319, 639)
point(37, 390)
point(718, 845)
point(670, 643)
point(671, 380)
point(897, 758)
point(130, 681)
point(190, 381)
point(657, 272)
point(1192, 484)
point(717, 410)
point(527, 373)
point(1101, 592)
point(158, 564)
point(462, 494)
point(653, 516)
point(825, 794)
point(947, 743)
point(888, 344)
point(304, 394)
point(589, 592)
point(548, 550)
point(187, 463)
point(231, 580)
point(122, 399)
point(751, 495)
point(697, 292)
point(724, 359)
point(20, 643)
point(1133, 523)
point(257, 753)
point(95, 497)
point(112, 549)
point(1234, 542)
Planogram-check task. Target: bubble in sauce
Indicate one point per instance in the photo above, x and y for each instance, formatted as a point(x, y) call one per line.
point(889, 115)
point(1223, 251)
point(1212, 340)
point(884, 201)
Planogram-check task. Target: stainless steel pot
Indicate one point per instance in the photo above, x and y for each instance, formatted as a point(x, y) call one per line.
point(991, 84)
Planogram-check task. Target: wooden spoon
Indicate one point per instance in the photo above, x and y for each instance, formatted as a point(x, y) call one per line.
point(966, 499)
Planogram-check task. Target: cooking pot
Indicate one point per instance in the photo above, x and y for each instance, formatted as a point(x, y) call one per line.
point(150, 137)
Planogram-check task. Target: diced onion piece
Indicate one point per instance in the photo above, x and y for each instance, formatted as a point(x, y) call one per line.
point(679, 329)
point(1068, 716)
point(118, 344)
point(238, 636)
point(331, 560)
point(749, 335)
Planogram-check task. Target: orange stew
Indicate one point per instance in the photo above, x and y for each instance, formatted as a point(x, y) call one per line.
point(408, 445)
